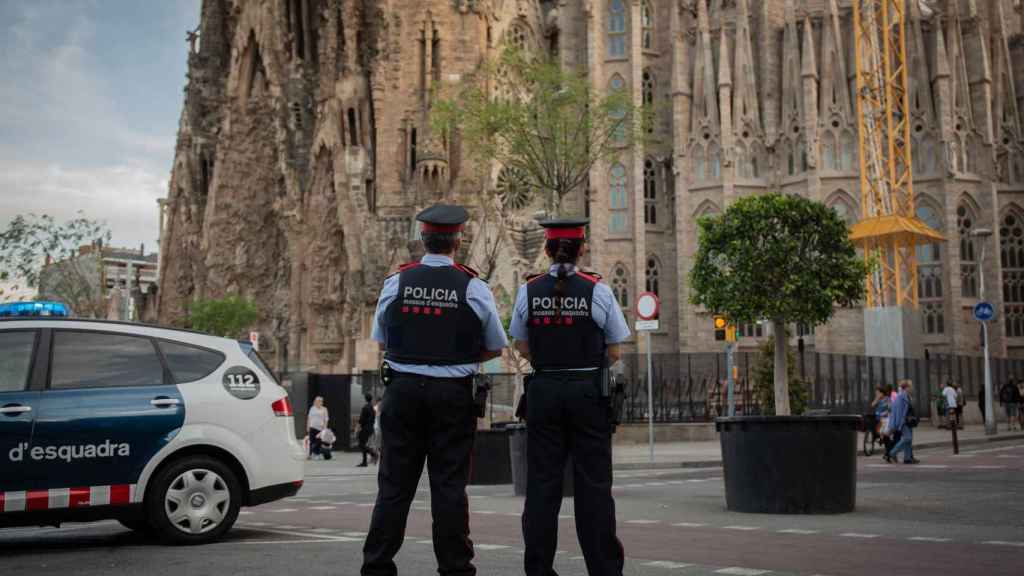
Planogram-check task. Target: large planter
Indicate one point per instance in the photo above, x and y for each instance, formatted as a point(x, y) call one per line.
point(517, 445)
point(491, 459)
point(790, 464)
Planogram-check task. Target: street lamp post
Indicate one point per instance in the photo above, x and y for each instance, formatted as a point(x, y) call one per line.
point(990, 417)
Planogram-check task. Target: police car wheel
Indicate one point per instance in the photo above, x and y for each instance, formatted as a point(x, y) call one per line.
point(194, 501)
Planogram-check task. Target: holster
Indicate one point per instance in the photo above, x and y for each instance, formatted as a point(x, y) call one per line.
point(521, 408)
point(481, 389)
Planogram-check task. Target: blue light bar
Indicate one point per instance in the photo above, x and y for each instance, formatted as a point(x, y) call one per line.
point(34, 309)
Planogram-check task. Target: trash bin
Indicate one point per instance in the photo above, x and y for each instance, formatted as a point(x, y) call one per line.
point(491, 459)
point(517, 452)
point(790, 464)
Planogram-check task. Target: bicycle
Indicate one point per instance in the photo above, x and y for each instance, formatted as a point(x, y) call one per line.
point(871, 436)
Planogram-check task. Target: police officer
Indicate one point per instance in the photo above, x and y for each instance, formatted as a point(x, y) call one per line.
point(569, 325)
point(437, 322)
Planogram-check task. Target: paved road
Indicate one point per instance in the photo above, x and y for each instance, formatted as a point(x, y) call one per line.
point(960, 515)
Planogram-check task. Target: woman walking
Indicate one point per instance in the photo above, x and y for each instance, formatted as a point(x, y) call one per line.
point(316, 422)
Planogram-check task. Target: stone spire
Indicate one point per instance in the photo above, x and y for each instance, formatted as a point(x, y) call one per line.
point(745, 104)
point(705, 101)
point(809, 75)
point(791, 88)
point(920, 86)
point(835, 93)
point(960, 81)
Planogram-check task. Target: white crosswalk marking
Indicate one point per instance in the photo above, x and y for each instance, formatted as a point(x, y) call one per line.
point(858, 535)
point(741, 528)
point(929, 539)
point(323, 508)
point(667, 564)
point(742, 571)
point(797, 531)
point(1004, 543)
point(689, 524)
point(642, 522)
point(490, 547)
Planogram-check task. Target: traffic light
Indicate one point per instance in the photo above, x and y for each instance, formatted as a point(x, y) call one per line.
point(721, 325)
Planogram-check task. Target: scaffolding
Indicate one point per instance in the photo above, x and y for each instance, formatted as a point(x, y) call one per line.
point(889, 230)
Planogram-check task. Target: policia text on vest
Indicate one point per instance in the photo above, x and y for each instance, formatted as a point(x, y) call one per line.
point(437, 323)
point(569, 325)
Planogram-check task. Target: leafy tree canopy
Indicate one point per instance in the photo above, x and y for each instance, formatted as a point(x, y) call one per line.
point(778, 257)
point(549, 123)
point(29, 239)
point(229, 317)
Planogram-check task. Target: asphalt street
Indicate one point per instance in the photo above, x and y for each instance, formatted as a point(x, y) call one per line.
point(957, 515)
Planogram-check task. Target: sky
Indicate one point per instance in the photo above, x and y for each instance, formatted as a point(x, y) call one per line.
point(90, 99)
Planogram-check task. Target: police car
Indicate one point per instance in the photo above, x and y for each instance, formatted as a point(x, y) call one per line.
point(166, 431)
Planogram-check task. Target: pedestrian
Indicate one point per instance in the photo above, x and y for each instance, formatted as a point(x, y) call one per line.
point(438, 323)
point(367, 418)
point(375, 442)
point(981, 403)
point(316, 422)
point(1009, 397)
point(569, 325)
point(902, 421)
point(961, 401)
point(1020, 403)
point(880, 405)
point(951, 397)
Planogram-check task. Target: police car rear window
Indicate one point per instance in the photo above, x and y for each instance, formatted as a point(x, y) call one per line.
point(15, 360)
point(188, 363)
point(99, 360)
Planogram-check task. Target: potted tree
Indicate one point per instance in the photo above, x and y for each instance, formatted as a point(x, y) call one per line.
point(786, 259)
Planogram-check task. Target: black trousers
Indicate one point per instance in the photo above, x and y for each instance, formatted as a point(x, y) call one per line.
point(566, 415)
point(432, 420)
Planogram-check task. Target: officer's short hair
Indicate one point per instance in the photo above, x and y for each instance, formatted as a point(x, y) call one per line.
point(440, 242)
point(368, 397)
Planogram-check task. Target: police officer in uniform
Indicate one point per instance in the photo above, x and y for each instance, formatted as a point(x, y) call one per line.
point(570, 327)
point(437, 322)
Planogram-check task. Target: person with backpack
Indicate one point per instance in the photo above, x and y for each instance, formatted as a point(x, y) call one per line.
point(902, 421)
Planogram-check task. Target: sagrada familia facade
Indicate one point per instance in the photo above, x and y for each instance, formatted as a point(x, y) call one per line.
point(305, 149)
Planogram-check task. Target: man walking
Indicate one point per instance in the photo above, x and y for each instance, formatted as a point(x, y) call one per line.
point(903, 421)
point(367, 417)
point(437, 322)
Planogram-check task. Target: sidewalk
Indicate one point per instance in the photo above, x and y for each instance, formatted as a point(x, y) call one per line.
point(709, 455)
point(669, 455)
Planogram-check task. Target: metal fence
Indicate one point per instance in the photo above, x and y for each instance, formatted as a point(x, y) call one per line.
point(692, 387)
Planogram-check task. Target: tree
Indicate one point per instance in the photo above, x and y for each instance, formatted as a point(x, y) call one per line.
point(38, 252)
point(229, 317)
point(778, 257)
point(546, 124)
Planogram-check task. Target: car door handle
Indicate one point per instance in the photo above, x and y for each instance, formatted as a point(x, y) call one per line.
point(14, 409)
point(164, 402)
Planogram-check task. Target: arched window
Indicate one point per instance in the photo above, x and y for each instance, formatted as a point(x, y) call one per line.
point(699, 167)
point(842, 205)
point(848, 150)
point(648, 95)
point(647, 22)
point(714, 161)
point(618, 222)
point(829, 158)
point(620, 285)
point(651, 275)
point(616, 29)
point(617, 85)
point(650, 192)
point(1011, 251)
point(965, 220)
point(929, 276)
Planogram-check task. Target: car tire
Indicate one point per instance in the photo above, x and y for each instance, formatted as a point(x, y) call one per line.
point(194, 500)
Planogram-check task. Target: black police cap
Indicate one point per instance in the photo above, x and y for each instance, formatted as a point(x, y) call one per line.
point(565, 228)
point(443, 218)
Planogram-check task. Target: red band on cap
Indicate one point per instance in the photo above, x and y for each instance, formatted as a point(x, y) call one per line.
point(568, 233)
point(441, 228)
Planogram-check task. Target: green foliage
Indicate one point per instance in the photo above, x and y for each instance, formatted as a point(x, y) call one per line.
point(229, 317)
point(777, 257)
point(30, 241)
point(27, 242)
point(764, 375)
point(548, 123)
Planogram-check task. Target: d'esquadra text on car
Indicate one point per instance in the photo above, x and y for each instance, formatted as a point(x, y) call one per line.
point(167, 431)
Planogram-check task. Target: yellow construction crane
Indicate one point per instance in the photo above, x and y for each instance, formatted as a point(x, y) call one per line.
point(889, 230)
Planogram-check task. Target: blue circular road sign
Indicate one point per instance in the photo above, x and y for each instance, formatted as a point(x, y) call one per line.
point(984, 311)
